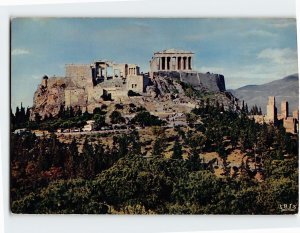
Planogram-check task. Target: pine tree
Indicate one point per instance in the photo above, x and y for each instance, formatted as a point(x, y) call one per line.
point(100, 158)
point(243, 106)
point(17, 115)
point(12, 119)
point(56, 150)
point(135, 143)
point(43, 160)
point(194, 161)
point(61, 113)
point(246, 109)
point(71, 112)
point(177, 150)
point(71, 160)
point(37, 117)
point(27, 115)
point(22, 114)
point(157, 148)
point(87, 168)
point(78, 112)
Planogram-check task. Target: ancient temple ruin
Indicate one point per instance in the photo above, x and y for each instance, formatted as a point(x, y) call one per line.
point(105, 70)
point(88, 83)
point(171, 60)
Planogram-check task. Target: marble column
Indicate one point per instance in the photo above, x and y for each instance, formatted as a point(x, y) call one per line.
point(105, 77)
point(159, 63)
point(181, 64)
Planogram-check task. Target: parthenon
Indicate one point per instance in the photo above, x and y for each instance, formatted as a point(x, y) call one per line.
point(171, 60)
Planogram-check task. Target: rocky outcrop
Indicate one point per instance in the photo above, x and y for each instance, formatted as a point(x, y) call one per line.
point(48, 98)
point(163, 86)
point(191, 87)
point(186, 87)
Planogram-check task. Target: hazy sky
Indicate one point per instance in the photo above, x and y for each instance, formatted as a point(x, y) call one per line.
point(245, 51)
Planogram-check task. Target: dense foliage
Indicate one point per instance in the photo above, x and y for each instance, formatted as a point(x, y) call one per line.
point(66, 119)
point(144, 118)
point(48, 176)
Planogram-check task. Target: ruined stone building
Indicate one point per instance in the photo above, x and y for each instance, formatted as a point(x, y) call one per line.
point(101, 79)
point(271, 110)
point(290, 123)
point(88, 86)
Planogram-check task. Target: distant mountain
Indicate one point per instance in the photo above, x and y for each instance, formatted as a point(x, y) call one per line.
point(286, 88)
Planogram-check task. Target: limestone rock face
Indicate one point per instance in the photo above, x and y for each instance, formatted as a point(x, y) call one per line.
point(200, 81)
point(165, 87)
point(48, 99)
point(170, 85)
point(168, 82)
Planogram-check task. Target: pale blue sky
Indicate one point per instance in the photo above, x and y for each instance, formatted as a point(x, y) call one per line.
point(246, 51)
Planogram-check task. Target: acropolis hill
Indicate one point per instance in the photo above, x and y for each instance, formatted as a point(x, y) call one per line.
point(87, 86)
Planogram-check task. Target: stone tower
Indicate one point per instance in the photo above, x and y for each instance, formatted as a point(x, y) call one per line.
point(296, 114)
point(271, 110)
point(284, 109)
point(45, 81)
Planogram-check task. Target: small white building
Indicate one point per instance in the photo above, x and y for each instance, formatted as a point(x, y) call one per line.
point(20, 131)
point(90, 125)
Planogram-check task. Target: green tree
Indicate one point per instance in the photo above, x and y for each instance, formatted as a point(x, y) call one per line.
point(144, 118)
point(194, 161)
point(71, 159)
point(116, 118)
point(177, 151)
point(99, 121)
point(158, 147)
point(87, 165)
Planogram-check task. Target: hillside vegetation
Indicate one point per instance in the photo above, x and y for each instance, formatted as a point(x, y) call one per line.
point(166, 172)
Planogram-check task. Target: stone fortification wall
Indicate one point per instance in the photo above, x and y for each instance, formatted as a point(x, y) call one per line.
point(135, 83)
point(94, 94)
point(80, 74)
point(76, 70)
point(112, 83)
point(211, 82)
point(75, 97)
point(117, 94)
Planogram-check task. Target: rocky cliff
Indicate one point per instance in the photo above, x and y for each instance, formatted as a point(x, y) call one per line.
point(200, 81)
point(48, 98)
point(190, 87)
